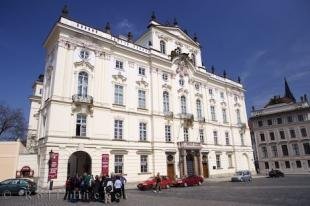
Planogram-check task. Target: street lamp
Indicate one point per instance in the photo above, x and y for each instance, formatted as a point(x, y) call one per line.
point(49, 169)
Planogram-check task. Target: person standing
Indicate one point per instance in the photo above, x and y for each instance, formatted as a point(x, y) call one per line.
point(118, 189)
point(68, 189)
point(158, 181)
point(124, 181)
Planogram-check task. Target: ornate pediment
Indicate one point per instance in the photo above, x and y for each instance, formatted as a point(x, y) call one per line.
point(212, 101)
point(237, 104)
point(119, 77)
point(182, 90)
point(223, 104)
point(198, 95)
point(142, 83)
point(83, 63)
point(166, 86)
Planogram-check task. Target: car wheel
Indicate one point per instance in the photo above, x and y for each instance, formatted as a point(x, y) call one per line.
point(21, 192)
point(6, 193)
point(185, 184)
point(167, 186)
point(199, 183)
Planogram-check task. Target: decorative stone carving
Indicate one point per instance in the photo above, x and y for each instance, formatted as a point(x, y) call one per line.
point(84, 63)
point(119, 77)
point(142, 83)
point(166, 86)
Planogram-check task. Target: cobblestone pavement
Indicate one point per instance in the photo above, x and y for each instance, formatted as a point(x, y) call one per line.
point(291, 190)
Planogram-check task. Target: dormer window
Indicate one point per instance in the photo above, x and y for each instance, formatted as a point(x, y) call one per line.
point(162, 47)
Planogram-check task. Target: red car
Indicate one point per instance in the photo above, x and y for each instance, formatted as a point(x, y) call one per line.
point(150, 183)
point(189, 181)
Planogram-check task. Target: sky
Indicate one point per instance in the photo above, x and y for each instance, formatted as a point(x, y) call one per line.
point(261, 41)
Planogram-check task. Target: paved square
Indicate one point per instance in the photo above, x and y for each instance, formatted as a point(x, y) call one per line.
point(291, 190)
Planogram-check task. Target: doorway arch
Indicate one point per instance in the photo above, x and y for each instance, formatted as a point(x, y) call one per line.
point(79, 163)
point(190, 164)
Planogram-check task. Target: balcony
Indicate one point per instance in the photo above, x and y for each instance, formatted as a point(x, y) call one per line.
point(168, 114)
point(187, 116)
point(201, 119)
point(189, 145)
point(84, 99)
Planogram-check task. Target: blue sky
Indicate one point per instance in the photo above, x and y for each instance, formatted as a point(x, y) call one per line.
point(262, 41)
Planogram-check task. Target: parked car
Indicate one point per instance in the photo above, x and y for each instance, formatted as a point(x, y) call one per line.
point(242, 176)
point(150, 183)
point(189, 181)
point(17, 186)
point(275, 173)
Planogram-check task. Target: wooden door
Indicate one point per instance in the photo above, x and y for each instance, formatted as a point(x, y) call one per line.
point(205, 170)
point(170, 171)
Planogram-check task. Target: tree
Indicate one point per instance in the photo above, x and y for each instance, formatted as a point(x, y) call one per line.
point(12, 123)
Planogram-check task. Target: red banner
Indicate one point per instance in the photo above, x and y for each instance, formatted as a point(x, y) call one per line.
point(53, 170)
point(105, 164)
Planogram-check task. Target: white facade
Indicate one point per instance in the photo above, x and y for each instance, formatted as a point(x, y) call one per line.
point(282, 137)
point(93, 78)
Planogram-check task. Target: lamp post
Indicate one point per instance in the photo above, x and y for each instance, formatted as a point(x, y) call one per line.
point(49, 169)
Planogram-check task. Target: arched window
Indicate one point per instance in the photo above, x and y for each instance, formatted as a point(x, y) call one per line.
point(166, 101)
point(80, 125)
point(194, 59)
point(198, 107)
point(162, 47)
point(183, 105)
point(82, 84)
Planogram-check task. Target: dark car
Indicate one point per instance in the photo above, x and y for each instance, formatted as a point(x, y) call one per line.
point(150, 183)
point(189, 181)
point(17, 186)
point(275, 173)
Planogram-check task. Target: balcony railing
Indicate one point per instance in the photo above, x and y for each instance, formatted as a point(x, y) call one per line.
point(189, 145)
point(168, 114)
point(87, 99)
point(186, 116)
point(201, 119)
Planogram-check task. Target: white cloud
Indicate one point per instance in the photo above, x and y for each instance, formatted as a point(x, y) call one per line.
point(125, 25)
point(251, 64)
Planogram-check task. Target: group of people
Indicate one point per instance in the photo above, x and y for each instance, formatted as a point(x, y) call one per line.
point(87, 188)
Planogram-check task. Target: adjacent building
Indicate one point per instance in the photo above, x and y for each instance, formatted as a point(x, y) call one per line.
point(111, 104)
point(281, 131)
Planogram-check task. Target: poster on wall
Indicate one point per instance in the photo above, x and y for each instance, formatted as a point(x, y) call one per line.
point(53, 170)
point(105, 164)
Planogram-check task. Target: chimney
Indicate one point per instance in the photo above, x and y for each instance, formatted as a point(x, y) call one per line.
point(130, 37)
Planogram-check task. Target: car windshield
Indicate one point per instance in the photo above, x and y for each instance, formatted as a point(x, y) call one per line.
point(239, 173)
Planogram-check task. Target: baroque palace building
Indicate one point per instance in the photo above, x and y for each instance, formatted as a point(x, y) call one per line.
point(281, 133)
point(110, 104)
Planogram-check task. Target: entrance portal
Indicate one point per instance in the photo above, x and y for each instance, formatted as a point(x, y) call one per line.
point(79, 163)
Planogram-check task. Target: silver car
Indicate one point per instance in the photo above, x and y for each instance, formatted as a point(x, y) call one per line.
point(242, 176)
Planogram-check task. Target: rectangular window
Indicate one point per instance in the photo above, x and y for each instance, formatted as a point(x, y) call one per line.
point(80, 125)
point(292, 133)
point(119, 65)
point(271, 134)
point(218, 161)
point(298, 164)
point(215, 137)
point(143, 164)
point(300, 118)
point(227, 138)
point(260, 123)
point(284, 150)
point(279, 120)
point(242, 139)
point(141, 71)
point(282, 135)
point(306, 148)
point(141, 99)
point(211, 92)
point(118, 94)
point(168, 133)
point(185, 133)
point(289, 119)
point(230, 164)
point(224, 115)
point(238, 116)
point(274, 150)
point(201, 136)
point(266, 165)
point(295, 149)
point(303, 132)
point(118, 164)
point(213, 115)
point(222, 95)
point(264, 151)
point(287, 164)
point(262, 137)
point(142, 131)
point(276, 164)
point(118, 129)
point(269, 122)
